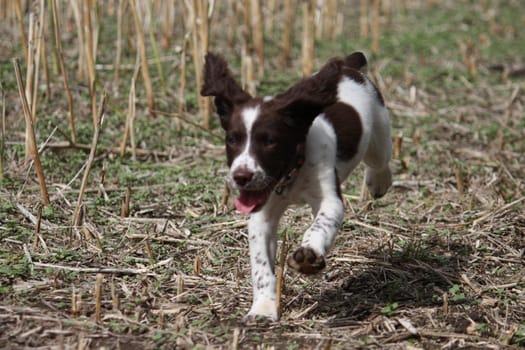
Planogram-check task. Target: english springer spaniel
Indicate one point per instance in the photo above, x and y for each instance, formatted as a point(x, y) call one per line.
point(297, 147)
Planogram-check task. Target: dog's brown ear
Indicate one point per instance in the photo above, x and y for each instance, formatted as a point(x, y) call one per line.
point(219, 82)
point(357, 61)
point(306, 99)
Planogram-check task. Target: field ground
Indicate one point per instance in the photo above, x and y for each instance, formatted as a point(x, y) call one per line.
point(437, 263)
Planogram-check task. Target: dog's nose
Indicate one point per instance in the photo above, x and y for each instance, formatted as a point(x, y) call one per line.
point(242, 176)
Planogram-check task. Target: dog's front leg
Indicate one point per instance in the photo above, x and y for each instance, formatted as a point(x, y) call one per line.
point(317, 240)
point(262, 228)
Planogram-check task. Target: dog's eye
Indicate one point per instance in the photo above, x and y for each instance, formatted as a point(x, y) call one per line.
point(268, 140)
point(233, 139)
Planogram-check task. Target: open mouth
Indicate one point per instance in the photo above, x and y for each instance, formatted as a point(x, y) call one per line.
point(251, 201)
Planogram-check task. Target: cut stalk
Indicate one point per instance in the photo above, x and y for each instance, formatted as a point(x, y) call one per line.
point(118, 54)
point(39, 39)
point(130, 116)
point(182, 85)
point(131, 112)
point(2, 133)
point(91, 157)
point(363, 19)
point(124, 211)
point(280, 274)
point(96, 28)
point(32, 139)
point(30, 64)
point(250, 83)
point(23, 38)
point(232, 22)
point(167, 23)
point(198, 14)
point(88, 35)
point(247, 32)
point(60, 57)
point(45, 65)
point(77, 13)
point(398, 141)
point(460, 182)
point(329, 25)
point(375, 26)
point(29, 80)
point(308, 37)
point(54, 64)
point(287, 38)
point(258, 37)
point(204, 12)
point(270, 15)
point(98, 297)
point(143, 58)
point(155, 49)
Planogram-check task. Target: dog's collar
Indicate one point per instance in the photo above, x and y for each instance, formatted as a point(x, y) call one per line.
point(290, 175)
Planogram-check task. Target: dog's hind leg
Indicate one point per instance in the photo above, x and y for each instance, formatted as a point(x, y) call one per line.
point(378, 176)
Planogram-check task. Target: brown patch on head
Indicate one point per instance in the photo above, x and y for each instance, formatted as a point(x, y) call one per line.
point(284, 121)
point(236, 133)
point(347, 126)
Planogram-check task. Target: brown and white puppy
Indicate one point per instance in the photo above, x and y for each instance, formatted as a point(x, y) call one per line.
point(297, 147)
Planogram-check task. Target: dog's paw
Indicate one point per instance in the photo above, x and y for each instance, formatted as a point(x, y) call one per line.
point(262, 311)
point(378, 182)
point(306, 261)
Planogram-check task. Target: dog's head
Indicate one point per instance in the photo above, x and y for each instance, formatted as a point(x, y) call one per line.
point(264, 135)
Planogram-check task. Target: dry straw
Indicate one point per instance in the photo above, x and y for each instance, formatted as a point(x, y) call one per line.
point(182, 82)
point(129, 128)
point(98, 297)
point(31, 139)
point(258, 37)
point(375, 26)
point(198, 15)
point(287, 35)
point(308, 36)
point(38, 40)
point(363, 19)
point(280, 275)
point(167, 23)
point(153, 42)
point(90, 55)
point(23, 38)
point(29, 80)
point(2, 133)
point(118, 54)
point(89, 163)
point(269, 19)
point(63, 71)
point(143, 57)
point(331, 20)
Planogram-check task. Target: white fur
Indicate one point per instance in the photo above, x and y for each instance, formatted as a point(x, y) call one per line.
point(245, 159)
point(315, 185)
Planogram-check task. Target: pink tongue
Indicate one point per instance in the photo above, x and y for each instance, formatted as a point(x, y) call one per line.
point(248, 200)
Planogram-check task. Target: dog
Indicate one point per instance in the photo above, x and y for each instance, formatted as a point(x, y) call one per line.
point(297, 147)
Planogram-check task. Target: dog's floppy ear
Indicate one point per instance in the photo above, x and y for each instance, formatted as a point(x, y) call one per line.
point(219, 82)
point(307, 99)
point(357, 61)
